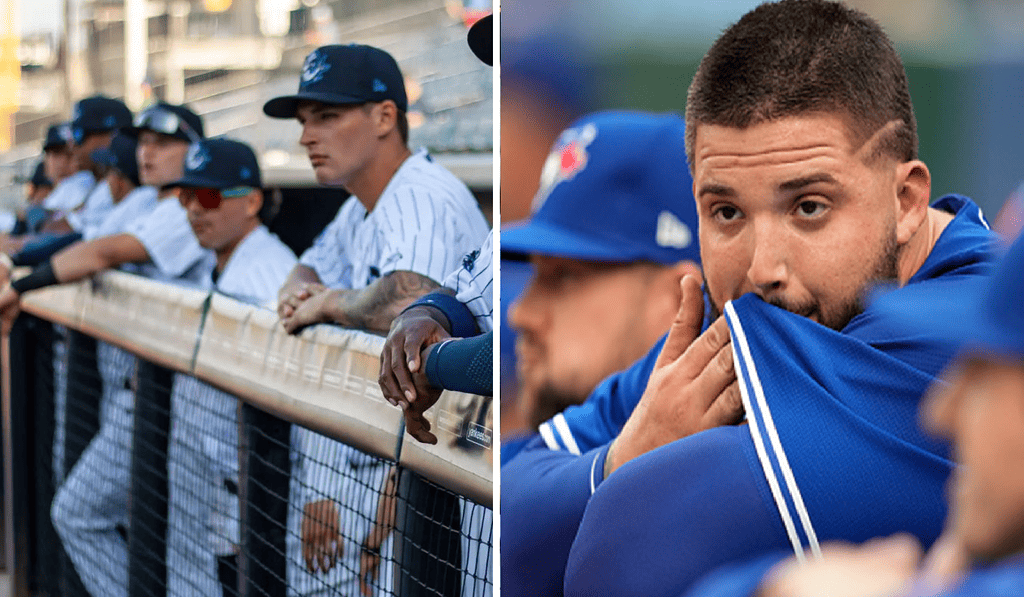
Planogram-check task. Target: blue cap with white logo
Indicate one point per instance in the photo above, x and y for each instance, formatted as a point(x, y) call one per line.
point(219, 163)
point(615, 187)
point(96, 114)
point(349, 74)
point(57, 136)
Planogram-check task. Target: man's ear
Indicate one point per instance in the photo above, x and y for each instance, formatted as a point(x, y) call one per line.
point(385, 117)
point(254, 203)
point(913, 194)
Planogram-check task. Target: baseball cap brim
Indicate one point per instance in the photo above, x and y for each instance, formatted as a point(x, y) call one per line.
point(481, 40)
point(197, 182)
point(287, 106)
point(938, 309)
point(540, 238)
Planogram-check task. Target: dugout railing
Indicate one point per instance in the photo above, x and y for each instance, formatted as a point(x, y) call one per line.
point(435, 510)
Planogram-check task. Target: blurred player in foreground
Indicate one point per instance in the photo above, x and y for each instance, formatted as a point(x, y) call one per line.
point(803, 147)
point(979, 407)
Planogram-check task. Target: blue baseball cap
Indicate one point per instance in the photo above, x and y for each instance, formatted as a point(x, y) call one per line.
point(992, 323)
point(96, 114)
point(121, 156)
point(349, 74)
point(615, 187)
point(58, 135)
point(219, 163)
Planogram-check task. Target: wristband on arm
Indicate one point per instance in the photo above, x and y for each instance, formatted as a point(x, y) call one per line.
point(40, 277)
point(461, 322)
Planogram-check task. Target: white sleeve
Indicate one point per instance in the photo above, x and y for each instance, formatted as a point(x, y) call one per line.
point(168, 238)
point(473, 284)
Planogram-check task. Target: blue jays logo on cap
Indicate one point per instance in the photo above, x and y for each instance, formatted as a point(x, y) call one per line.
point(197, 157)
point(568, 158)
point(314, 67)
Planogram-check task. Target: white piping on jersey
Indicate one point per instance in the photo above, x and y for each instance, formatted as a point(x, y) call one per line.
point(593, 470)
point(562, 427)
point(773, 436)
point(549, 437)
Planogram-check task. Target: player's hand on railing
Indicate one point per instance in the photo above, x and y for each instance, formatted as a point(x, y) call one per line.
point(402, 379)
point(10, 307)
point(692, 388)
point(301, 307)
point(370, 558)
point(321, 535)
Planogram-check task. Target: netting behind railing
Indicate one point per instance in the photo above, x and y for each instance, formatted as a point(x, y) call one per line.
point(172, 486)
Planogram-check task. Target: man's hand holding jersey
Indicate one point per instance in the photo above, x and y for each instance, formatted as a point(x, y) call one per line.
point(693, 386)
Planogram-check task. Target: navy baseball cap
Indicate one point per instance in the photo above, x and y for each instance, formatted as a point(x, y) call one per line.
point(350, 74)
point(98, 113)
point(481, 39)
point(58, 135)
point(615, 187)
point(991, 323)
point(120, 156)
point(179, 122)
point(219, 163)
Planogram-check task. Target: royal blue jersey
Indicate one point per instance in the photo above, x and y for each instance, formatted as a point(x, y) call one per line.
point(782, 480)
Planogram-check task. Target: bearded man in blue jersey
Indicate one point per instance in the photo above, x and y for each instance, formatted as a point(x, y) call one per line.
point(803, 146)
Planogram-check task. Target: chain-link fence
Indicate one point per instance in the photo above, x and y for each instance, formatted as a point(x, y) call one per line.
point(132, 476)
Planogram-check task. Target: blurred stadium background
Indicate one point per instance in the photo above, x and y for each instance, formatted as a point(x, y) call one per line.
point(226, 58)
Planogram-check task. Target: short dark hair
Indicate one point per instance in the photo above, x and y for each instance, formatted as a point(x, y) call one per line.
point(800, 56)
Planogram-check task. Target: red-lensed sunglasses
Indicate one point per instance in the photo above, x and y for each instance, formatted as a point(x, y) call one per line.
point(209, 198)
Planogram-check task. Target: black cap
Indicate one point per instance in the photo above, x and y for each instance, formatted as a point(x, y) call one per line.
point(120, 156)
point(96, 114)
point(219, 164)
point(39, 178)
point(58, 135)
point(351, 74)
point(481, 39)
point(179, 122)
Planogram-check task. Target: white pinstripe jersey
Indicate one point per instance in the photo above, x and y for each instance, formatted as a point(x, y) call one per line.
point(70, 192)
point(133, 207)
point(473, 284)
point(94, 209)
point(425, 221)
point(203, 451)
point(174, 252)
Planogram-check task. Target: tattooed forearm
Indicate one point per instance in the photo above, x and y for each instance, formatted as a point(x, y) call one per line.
point(374, 307)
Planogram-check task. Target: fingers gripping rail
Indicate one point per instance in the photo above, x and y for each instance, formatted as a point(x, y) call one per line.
point(324, 378)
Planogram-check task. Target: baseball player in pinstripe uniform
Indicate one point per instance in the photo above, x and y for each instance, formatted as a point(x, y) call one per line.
point(408, 224)
point(223, 209)
point(94, 499)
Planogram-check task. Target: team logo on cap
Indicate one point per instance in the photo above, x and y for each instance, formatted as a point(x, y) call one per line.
point(197, 157)
point(568, 158)
point(314, 67)
point(379, 86)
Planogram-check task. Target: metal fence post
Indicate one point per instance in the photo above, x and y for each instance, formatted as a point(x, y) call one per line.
point(428, 542)
point(265, 471)
point(147, 533)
